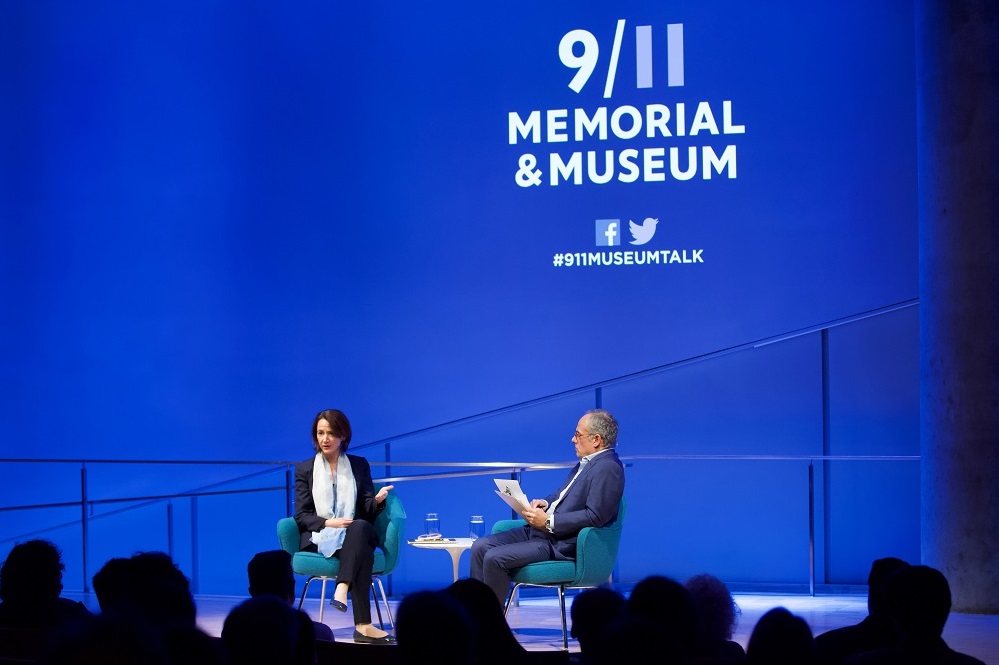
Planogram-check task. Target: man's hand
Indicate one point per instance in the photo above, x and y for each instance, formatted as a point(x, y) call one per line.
point(535, 516)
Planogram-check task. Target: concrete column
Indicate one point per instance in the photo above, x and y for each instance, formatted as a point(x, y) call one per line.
point(957, 89)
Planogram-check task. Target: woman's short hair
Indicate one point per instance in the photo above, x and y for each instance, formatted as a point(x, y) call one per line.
point(338, 424)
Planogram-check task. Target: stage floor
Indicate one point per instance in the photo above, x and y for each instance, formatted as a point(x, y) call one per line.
point(536, 621)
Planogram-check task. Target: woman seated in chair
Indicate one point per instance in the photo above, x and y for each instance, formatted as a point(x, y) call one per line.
point(335, 507)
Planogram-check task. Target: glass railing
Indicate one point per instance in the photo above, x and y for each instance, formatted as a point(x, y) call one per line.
point(783, 517)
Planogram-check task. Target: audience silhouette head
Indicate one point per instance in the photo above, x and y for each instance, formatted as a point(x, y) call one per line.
point(781, 638)
point(264, 630)
point(495, 642)
point(592, 611)
point(919, 602)
point(30, 588)
point(882, 571)
point(32, 573)
point(147, 617)
point(271, 572)
point(918, 605)
point(717, 616)
point(113, 582)
point(717, 611)
point(431, 626)
point(157, 589)
point(668, 603)
point(876, 630)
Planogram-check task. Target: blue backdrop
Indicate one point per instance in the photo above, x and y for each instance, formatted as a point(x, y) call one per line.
point(221, 217)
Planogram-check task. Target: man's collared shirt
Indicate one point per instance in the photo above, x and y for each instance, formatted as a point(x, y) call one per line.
point(583, 461)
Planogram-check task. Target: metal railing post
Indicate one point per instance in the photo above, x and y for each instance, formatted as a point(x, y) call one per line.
point(388, 471)
point(195, 573)
point(84, 524)
point(811, 528)
point(170, 529)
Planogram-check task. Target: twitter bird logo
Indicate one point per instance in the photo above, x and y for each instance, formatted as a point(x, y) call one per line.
point(642, 233)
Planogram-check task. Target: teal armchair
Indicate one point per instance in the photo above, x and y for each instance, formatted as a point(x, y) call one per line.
point(390, 525)
point(596, 555)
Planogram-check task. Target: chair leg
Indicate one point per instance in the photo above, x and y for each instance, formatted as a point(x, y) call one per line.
point(322, 597)
point(561, 604)
point(322, 600)
point(305, 591)
point(378, 608)
point(388, 610)
point(561, 607)
point(374, 598)
point(509, 599)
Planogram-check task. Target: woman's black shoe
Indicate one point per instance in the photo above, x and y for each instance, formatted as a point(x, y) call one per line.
point(364, 639)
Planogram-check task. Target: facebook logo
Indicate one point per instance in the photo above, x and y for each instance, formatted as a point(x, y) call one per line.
point(608, 232)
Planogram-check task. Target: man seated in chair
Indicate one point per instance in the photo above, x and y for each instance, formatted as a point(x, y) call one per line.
point(589, 497)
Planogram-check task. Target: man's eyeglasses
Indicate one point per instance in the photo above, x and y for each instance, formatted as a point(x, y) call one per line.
point(580, 435)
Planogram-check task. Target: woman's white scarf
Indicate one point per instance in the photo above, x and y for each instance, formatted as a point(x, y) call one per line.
point(332, 499)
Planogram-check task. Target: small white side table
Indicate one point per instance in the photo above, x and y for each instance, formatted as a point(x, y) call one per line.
point(453, 546)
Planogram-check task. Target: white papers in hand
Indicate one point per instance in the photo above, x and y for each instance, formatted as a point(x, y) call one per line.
point(509, 491)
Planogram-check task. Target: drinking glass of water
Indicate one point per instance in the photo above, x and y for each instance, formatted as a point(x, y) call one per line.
point(476, 527)
point(432, 526)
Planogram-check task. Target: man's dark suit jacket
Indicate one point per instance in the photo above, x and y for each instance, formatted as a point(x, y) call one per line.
point(305, 507)
point(591, 501)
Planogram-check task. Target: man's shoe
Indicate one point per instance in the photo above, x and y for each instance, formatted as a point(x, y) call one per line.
point(364, 639)
point(337, 605)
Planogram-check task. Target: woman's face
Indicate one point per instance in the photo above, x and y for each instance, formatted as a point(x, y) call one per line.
point(328, 444)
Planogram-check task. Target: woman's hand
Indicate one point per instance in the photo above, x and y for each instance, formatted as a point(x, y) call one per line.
point(382, 493)
point(339, 522)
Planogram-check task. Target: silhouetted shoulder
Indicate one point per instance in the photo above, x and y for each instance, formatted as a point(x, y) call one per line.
point(900, 656)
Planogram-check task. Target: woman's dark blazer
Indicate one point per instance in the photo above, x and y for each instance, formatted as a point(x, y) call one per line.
point(305, 508)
